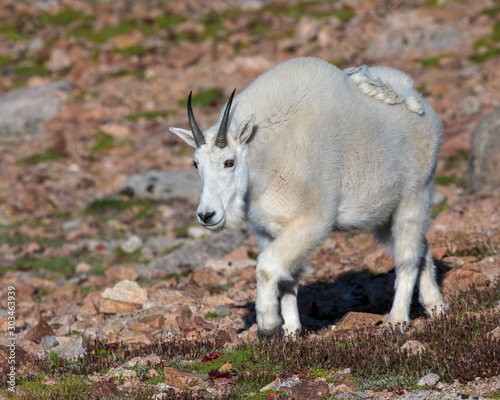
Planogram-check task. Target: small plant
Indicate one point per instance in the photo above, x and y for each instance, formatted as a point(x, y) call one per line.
point(104, 142)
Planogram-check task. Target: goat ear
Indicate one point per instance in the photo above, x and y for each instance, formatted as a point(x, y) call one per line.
point(245, 129)
point(185, 135)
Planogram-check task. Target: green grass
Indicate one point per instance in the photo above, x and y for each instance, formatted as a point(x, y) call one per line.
point(108, 204)
point(434, 61)
point(134, 50)
point(168, 21)
point(479, 58)
point(151, 115)
point(211, 315)
point(104, 142)
point(49, 155)
point(205, 97)
point(66, 17)
point(445, 180)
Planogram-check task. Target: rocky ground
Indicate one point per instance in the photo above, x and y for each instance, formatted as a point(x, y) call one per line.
point(98, 235)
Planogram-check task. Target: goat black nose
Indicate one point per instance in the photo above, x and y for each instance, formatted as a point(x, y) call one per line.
point(205, 217)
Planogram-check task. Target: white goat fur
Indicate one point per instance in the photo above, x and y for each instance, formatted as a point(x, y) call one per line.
point(325, 154)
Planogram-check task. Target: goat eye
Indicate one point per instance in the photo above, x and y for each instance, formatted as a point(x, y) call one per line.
point(195, 164)
point(229, 164)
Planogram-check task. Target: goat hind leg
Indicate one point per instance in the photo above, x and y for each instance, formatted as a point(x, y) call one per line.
point(430, 294)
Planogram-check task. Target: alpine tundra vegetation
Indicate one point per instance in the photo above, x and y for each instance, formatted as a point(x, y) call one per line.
point(308, 148)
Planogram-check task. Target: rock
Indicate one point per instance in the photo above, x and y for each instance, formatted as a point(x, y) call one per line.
point(429, 379)
point(132, 244)
point(120, 273)
point(410, 33)
point(355, 320)
point(71, 349)
point(181, 379)
point(121, 373)
point(71, 225)
point(58, 60)
point(222, 311)
point(123, 297)
point(307, 29)
point(183, 55)
point(484, 155)
point(194, 254)
point(208, 277)
point(309, 390)
point(414, 347)
point(104, 389)
point(227, 337)
point(494, 334)
point(49, 341)
point(18, 352)
point(39, 331)
point(165, 185)
point(23, 111)
point(460, 280)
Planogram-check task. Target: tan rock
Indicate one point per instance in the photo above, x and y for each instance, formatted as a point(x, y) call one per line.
point(58, 60)
point(239, 253)
point(460, 280)
point(125, 296)
point(494, 334)
point(183, 55)
point(83, 267)
point(181, 379)
point(119, 131)
point(226, 367)
point(121, 273)
point(208, 277)
point(414, 347)
point(354, 320)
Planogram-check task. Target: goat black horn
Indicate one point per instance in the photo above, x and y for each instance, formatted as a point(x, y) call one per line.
point(197, 133)
point(221, 140)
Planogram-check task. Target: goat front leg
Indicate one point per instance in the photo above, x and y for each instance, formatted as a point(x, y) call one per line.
point(279, 266)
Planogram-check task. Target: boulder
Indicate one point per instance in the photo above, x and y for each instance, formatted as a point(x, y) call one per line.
point(23, 111)
point(484, 156)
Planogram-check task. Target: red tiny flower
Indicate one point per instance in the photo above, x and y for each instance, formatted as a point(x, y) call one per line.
point(272, 396)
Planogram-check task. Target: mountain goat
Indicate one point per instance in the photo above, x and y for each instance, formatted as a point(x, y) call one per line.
point(306, 149)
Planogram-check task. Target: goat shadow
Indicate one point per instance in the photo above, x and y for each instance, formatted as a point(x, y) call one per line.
point(323, 302)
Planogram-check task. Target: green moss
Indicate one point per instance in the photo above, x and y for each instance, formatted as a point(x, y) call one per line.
point(445, 180)
point(457, 159)
point(211, 315)
point(486, 55)
point(5, 60)
point(258, 27)
point(134, 50)
point(213, 24)
point(87, 31)
point(337, 63)
point(62, 265)
point(344, 14)
point(151, 115)
point(433, 61)
point(66, 17)
point(107, 204)
point(29, 67)
point(104, 142)
point(494, 395)
point(491, 11)
point(438, 209)
point(49, 155)
point(205, 97)
point(123, 28)
point(168, 21)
